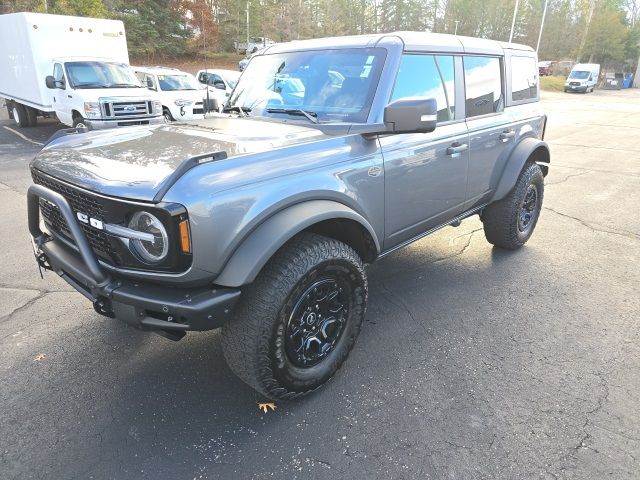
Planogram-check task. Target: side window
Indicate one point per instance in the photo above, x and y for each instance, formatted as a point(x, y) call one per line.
point(58, 73)
point(429, 76)
point(524, 78)
point(483, 83)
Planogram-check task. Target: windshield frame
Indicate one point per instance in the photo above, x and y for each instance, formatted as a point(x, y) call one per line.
point(81, 86)
point(326, 114)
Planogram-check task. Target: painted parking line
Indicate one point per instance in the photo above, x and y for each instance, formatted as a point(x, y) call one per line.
point(23, 136)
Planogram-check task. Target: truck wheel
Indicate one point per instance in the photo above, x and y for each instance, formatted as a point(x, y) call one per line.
point(32, 116)
point(19, 115)
point(298, 320)
point(509, 222)
point(168, 118)
point(78, 121)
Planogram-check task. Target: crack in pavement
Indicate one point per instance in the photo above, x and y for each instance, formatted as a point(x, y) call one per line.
point(547, 184)
point(23, 306)
point(597, 227)
point(599, 170)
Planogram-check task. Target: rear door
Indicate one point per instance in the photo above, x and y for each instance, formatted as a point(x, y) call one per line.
point(490, 132)
point(425, 173)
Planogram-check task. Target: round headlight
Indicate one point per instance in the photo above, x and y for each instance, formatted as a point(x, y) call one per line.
point(149, 251)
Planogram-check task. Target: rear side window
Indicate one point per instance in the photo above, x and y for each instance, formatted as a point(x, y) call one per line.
point(428, 76)
point(483, 83)
point(524, 78)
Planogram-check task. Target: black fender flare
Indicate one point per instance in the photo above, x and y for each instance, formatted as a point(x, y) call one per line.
point(255, 251)
point(529, 148)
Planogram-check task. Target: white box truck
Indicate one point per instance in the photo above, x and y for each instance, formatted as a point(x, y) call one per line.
point(583, 78)
point(74, 67)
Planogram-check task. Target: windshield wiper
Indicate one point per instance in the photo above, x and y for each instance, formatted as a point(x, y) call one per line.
point(312, 116)
point(237, 108)
point(125, 85)
point(91, 85)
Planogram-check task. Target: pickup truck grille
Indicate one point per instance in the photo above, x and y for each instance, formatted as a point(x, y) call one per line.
point(130, 109)
point(79, 202)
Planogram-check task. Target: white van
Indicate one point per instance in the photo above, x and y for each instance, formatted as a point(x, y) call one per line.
point(74, 67)
point(583, 78)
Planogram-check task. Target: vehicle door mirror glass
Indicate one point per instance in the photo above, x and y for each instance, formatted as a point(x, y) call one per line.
point(219, 84)
point(411, 115)
point(150, 85)
point(50, 82)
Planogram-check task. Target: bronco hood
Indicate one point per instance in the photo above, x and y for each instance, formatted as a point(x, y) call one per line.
point(134, 162)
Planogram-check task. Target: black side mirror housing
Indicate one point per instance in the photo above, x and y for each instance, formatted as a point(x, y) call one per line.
point(411, 115)
point(50, 82)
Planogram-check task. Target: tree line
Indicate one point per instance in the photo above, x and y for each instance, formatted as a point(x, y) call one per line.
point(602, 31)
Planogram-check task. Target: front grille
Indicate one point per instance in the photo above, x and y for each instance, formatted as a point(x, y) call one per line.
point(130, 109)
point(79, 202)
point(574, 84)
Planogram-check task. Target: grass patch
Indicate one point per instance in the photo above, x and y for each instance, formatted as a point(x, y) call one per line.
point(554, 83)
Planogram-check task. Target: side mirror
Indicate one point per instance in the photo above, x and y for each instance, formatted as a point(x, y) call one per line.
point(411, 115)
point(150, 84)
point(219, 85)
point(50, 82)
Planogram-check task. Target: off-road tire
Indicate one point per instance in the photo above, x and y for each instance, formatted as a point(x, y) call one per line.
point(501, 218)
point(254, 340)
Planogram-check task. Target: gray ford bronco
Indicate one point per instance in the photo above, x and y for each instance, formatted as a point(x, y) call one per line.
point(330, 153)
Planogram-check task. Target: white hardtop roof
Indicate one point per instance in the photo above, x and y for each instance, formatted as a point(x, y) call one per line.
point(412, 41)
point(220, 70)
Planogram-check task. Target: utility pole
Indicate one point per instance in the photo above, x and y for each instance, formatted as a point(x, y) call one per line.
point(586, 30)
point(513, 22)
point(456, 31)
point(247, 23)
point(544, 14)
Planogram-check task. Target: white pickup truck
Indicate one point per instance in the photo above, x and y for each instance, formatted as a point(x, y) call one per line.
point(75, 68)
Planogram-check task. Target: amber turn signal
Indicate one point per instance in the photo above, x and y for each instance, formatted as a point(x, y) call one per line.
point(185, 240)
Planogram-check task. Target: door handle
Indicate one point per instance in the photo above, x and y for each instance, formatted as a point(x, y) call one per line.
point(456, 148)
point(69, 96)
point(507, 134)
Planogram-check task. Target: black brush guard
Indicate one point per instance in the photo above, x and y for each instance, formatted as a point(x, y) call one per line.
point(168, 310)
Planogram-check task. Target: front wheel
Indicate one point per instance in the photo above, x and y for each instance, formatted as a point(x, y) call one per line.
point(509, 222)
point(299, 319)
point(79, 122)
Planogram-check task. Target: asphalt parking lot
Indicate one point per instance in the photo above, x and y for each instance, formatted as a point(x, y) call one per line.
point(473, 363)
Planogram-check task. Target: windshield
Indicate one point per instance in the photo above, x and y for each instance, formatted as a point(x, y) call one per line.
point(579, 75)
point(170, 83)
point(101, 75)
point(333, 85)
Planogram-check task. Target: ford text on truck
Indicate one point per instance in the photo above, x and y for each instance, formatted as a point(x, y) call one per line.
point(261, 220)
point(74, 67)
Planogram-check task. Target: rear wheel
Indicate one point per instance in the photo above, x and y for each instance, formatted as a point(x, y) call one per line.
point(509, 222)
point(19, 115)
point(299, 319)
point(32, 116)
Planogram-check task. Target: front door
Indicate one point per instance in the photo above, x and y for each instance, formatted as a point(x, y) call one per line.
point(425, 173)
point(62, 95)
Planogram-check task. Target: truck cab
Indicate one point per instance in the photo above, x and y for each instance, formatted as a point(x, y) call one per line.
point(100, 93)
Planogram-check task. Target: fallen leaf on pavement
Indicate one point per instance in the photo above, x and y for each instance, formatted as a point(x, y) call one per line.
point(266, 406)
point(39, 357)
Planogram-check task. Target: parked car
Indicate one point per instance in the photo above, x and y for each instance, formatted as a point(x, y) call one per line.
point(254, 44)
point(583, 78)
point(182, 96)
point(261, 220)
point(75, 68)
point(545, 68)
point(222, 81)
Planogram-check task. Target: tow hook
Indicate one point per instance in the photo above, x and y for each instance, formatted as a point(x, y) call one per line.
point(103, 307)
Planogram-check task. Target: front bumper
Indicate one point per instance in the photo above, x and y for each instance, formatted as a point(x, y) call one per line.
point(576, 88)
point(148, 306)
point(122, 122)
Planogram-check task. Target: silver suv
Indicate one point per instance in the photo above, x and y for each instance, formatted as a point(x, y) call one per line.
point(331, 153)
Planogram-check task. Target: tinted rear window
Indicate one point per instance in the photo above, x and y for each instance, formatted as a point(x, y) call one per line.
point(483, 84)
